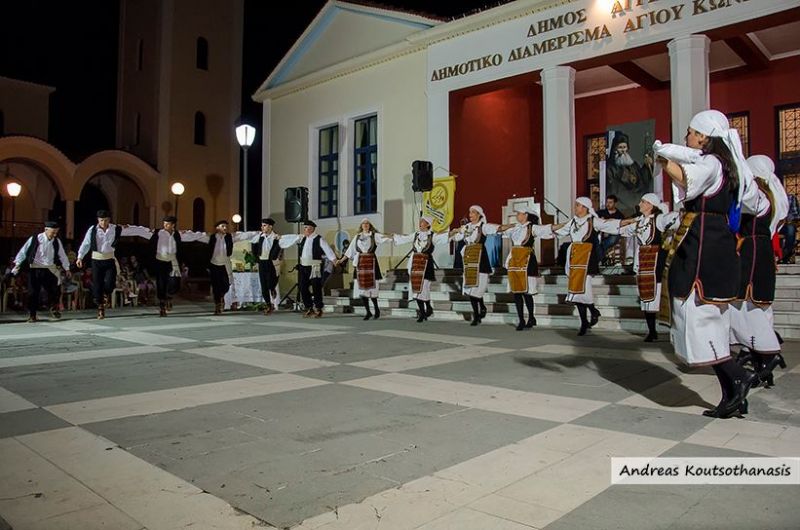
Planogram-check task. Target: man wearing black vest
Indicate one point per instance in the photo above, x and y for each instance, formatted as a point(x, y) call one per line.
point(267, 249)
point(42, 254)
point(101, 239)
point(309, 271)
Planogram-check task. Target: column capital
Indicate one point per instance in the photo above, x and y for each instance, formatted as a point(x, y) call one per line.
point(558, 72)
point(689, 42)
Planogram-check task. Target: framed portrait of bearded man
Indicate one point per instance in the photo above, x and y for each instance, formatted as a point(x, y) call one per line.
point(629, 165)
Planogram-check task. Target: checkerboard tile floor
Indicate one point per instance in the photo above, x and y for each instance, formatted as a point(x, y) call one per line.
point(245, 421)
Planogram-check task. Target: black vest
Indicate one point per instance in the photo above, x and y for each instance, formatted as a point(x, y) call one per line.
point(212, 242)
point(316, 247)
point(93, 242)
point(31, 254)
point(274, 250)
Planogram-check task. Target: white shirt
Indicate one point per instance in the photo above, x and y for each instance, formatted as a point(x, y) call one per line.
point(266, 243)
point(105, 239)
point(45, 253)
point(306, 257)
point(219, 255)
point(471, 232)
point(420, 239)
point(519, 232)
point(578, 227)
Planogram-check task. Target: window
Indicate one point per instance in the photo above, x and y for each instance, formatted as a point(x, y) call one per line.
point(139, 54)
point(365, 166)
point(788, 163)
point(199, 128)
point(199, 215)
point(741, 122)
point(595, 153)
point(202, 54)
point(328, 172)
point(137, 122)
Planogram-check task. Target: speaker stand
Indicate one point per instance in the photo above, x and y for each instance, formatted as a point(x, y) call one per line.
point(297, 303)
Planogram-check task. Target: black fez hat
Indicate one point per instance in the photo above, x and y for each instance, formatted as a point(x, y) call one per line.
point(51, 224)
point(310, 223)
point(221, 222)
point(170, 219)
point(102, 214)
point(268, 221)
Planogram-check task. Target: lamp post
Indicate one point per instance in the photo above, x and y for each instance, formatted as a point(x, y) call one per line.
point(236, 218)
point(245, 134)
point(13, 189)
point(177, 190)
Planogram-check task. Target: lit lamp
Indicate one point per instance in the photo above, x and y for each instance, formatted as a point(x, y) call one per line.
point(245, 134)
point(236, 218)
point(13, 189)
point(177, 190)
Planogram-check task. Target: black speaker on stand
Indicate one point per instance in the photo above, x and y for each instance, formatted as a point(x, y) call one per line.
point(421, 175)
point(295, 210)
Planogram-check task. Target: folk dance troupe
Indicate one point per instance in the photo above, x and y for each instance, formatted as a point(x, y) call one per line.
point(706, 268)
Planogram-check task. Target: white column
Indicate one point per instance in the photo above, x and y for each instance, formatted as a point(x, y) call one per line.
point(558, 103)
point(70, 219)
point(688, 68)
point(266, 137)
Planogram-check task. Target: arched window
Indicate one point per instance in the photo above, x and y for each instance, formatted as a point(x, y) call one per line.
point(199, 215)
point(202, 53)
point(199, 128)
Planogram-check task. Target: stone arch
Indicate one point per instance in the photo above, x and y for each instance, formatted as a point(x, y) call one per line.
point(40, 153)
point(115, 161)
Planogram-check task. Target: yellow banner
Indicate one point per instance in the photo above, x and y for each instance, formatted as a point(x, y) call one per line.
point(439, 202)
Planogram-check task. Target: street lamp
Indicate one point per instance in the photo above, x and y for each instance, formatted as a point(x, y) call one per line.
point(236, 218)
point(13, 189)
point(245, 134)
point(177, 190)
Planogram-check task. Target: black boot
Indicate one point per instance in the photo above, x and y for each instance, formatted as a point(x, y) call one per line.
point(421, 315)
point(365, 301)
point(740, 381)
point(377, 309)
point(483, 308)
point(767, 365)
point(476, 315)
point(595, 315)
point(584, 322)
point(652, 335)
point(529, 304)
point(428, 309)
point(746, 356)
point(519, 304)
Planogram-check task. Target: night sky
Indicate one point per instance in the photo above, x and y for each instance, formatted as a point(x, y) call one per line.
point(72, 46)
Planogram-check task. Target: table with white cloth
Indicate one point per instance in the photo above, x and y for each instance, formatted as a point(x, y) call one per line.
point(245, 289)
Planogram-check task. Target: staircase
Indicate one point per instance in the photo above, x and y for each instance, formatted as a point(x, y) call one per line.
point(615, 296)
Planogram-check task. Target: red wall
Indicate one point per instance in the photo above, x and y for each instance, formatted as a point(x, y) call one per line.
point(496, 145)
point(758, 92)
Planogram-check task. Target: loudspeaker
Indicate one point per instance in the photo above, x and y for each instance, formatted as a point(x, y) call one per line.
point(422, 175)
point(295, 205)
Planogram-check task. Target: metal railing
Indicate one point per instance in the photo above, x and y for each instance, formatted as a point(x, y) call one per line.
point(558, 210)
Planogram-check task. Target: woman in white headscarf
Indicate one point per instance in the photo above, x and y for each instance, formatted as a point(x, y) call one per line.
point(521, 262)
point(751, 313)
point(648, 263)
point(476, 261)
point(366, 270)
point(714, 181)
point(420, 264)
point(583, 257)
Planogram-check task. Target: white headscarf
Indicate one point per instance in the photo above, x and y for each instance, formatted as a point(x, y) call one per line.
point(714, 123)
point(480, 212)
point(428, 219)
point(764, 168)
point(652, 198)
point(587, 202)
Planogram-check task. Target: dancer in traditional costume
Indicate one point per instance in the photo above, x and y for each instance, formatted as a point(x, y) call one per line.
point(313, 249)
point(521, 262)
point(475, 259)
point(101, 240)
point(421, 265)
point(583, 258)
point(267, 250)
point(650, 257)
point(702, 268)
point(220, 270)
point(366, 269)
point(43, 254)
point(751, 313)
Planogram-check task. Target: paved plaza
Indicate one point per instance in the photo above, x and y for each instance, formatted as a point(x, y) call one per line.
point(245, 421)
